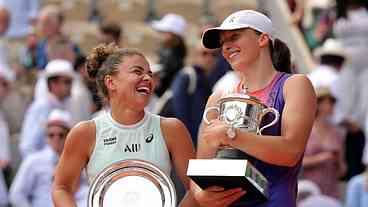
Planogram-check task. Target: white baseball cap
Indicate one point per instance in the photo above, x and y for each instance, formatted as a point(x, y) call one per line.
point(171, 23)
point(330, 47)
point(238, 20)
point(59, 67)
point(60, 118)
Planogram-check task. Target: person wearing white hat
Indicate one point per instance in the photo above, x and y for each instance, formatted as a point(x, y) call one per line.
point(32, 183)
point(331, 57)
point(59, 77)
point(172, 50)
point(263, 62)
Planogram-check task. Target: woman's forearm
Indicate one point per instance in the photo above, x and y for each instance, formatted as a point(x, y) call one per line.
point(188, 201)
point(63, 198)
point(277, 150)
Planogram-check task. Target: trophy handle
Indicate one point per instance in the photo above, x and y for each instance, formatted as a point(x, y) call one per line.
point(206, 112)
point(264, 112)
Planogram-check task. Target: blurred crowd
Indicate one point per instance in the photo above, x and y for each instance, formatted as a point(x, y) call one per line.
point(44, 91)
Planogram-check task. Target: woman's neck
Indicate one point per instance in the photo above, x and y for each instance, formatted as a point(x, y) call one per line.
point(258, 75)
point(124, 114)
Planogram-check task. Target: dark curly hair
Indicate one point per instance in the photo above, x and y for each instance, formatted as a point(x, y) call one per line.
point(104, 60)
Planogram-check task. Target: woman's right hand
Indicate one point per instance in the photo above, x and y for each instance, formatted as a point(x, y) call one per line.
point(214, 134)
point(217, 197)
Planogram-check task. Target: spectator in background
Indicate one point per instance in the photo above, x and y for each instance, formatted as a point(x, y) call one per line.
point(5, 81)
point(32, 184)
point(3, 192)
point(352, 106)
point(59, 75)
point(323, 161)
point(81, 103)
point(50, 22)
point(27, 56)
point(154, 105)
point(222, 66)
point(357, 189)
point(191, 89)
point(59, 48)
point(318, 22)
point(110, 33)
point(172, 51)
point(4, 23)
point(23, 15)
point(331, 58)
point(309, 195)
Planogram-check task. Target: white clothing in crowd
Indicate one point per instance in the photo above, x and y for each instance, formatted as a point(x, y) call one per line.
point(22, 12)
point(32, 137)
point(352, 32)
point(80, 104)
point(227, 81)
point(3, 191)
point(80, 100)
point(4, 155)
point(32, 184)
point(4, 139)
point(320, 200)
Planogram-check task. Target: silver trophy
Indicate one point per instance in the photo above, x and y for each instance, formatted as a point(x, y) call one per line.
point(132, 183)
point(231, 168)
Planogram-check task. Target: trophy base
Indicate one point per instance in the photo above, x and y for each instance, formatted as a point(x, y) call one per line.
point(230, 153)
point(230, 173)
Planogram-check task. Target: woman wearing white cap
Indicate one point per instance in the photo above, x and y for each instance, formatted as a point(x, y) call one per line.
point(126, 131)
point(33, 181)
point(245, 38)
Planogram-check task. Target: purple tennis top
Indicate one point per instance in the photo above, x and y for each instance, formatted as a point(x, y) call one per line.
point(282, 180)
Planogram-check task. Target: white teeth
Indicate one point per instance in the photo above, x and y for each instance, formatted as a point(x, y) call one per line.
point(144, 89)
point(233, 54)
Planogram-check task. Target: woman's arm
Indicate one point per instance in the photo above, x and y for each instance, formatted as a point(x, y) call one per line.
point(79, 143)
point(181, 150)
point(296, 124)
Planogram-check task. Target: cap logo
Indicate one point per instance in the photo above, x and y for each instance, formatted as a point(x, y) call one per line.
point(232, 19)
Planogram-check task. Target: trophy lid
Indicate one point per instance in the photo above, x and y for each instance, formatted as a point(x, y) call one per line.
point(132, 183)
point(244, 97)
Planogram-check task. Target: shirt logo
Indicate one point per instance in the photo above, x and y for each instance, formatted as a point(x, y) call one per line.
point(132, 148)
point(109, 141)
point(149, 138)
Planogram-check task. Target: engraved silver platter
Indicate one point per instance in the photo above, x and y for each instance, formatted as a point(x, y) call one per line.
point(132, 183)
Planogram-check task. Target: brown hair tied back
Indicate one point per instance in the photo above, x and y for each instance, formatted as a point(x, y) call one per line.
point(97, 57)
point(105, 60)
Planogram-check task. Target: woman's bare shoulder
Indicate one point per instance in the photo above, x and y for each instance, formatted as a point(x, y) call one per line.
point(83, 136)
point(298, 83)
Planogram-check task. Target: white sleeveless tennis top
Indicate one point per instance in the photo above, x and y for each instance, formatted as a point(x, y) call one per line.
point(115, 142)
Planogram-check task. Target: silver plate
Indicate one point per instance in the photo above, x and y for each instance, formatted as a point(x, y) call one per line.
point(132, 183)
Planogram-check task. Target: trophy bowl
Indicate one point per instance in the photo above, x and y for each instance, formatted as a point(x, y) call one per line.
point(132, 183)
point(242, 111)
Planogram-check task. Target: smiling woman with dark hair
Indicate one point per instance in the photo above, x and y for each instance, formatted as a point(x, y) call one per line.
point(124, 79)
